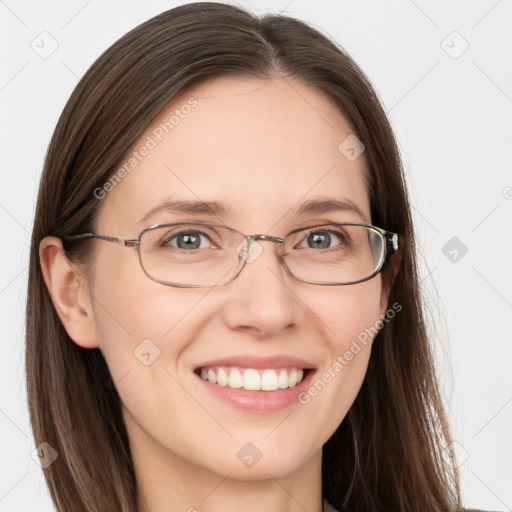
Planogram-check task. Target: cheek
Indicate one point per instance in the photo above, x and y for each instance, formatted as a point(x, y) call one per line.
point(139, 321)
point(349, 312)
point(143, 328)
point(350, 317)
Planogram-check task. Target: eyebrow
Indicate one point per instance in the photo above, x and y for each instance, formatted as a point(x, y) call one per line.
point(318, 206)
point(216, 209)
point(189, 207)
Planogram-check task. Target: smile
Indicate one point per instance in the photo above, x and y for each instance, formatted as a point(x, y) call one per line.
point(252, 379)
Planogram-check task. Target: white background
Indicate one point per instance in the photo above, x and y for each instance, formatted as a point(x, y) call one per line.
point(452, 118)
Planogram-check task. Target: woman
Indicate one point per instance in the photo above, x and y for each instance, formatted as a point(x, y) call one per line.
point(223, 306)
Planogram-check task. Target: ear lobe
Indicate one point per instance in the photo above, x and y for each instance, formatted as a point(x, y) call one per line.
point(69, 293)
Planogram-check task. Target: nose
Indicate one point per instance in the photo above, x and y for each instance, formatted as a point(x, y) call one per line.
point(261, 298)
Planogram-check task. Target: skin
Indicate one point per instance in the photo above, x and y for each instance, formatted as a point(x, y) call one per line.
point(261, 147)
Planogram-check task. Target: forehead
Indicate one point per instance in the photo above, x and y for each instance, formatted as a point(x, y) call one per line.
point(259, 147)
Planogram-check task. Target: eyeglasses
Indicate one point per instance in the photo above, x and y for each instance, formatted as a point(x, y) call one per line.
point(200, 254)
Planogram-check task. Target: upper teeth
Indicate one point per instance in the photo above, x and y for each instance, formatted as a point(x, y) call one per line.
point(253, 380)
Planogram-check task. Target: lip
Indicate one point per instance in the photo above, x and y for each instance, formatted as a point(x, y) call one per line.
point(259, 362)
point(259, 401)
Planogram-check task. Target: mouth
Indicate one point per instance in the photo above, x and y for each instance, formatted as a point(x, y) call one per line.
point(253, 379)
point(256, 384)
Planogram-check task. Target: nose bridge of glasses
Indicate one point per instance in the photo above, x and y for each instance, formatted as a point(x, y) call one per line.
point(250, 255)
point(269, 238)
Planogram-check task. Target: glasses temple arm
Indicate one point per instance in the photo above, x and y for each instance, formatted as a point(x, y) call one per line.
point(120, 241)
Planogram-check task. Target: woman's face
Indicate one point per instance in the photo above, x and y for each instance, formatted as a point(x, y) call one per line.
point(261, 149)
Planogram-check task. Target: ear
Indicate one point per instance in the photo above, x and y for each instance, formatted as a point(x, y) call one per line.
point(69, 292)
point(389, 278)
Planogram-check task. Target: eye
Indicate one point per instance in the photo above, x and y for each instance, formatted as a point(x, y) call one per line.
point(187, 240)
point(324, 239)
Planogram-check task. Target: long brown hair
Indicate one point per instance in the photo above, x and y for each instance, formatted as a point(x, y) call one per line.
point(392, 451)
